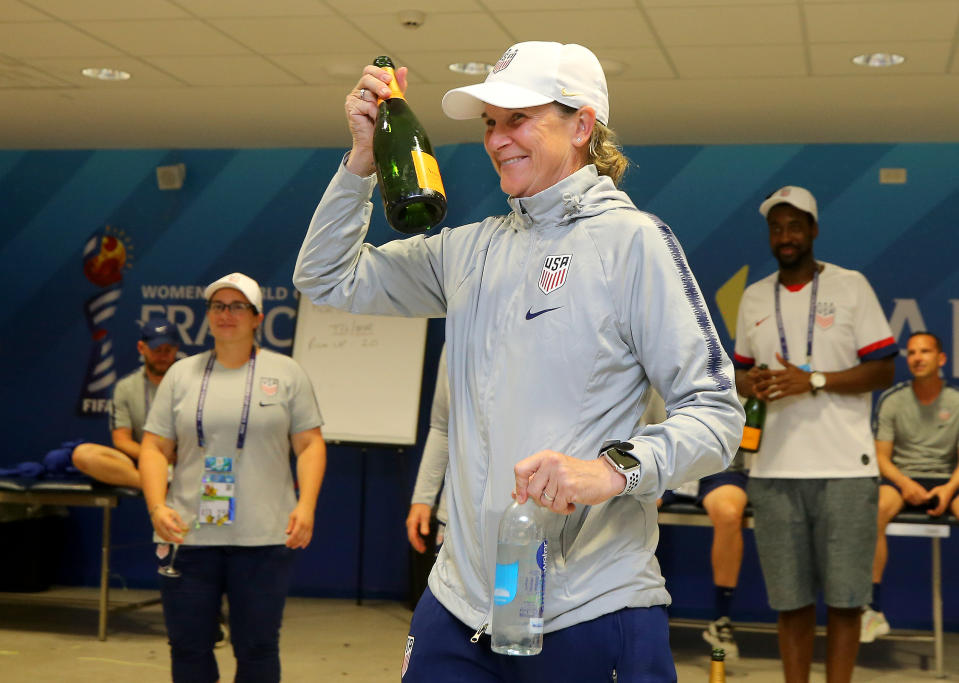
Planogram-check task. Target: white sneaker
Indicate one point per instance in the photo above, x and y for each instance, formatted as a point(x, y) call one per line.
point(720, 634)
point(873, 625)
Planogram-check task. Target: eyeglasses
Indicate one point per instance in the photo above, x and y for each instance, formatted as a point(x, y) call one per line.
point(235, 308)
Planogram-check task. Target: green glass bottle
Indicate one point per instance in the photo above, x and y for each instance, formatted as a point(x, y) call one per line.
point(407, 172)
point(755, 419)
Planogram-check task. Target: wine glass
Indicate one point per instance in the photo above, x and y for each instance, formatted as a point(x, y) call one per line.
point(168, 569)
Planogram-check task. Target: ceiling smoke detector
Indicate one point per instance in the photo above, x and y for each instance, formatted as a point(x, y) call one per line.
point(411, 18)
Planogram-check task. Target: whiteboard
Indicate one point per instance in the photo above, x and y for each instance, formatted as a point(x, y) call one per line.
point(366, 370)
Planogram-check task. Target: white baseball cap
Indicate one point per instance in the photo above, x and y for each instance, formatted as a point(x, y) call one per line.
point(534, 73)
point(799, 197)
point(245, 284)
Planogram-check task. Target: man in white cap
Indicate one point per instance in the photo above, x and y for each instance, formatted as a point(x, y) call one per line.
point(132, 395)
point(560, 315)
point(822, 332)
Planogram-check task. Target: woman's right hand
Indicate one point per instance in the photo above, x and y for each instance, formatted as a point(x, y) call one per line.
point(361, 108)
point(168, 524)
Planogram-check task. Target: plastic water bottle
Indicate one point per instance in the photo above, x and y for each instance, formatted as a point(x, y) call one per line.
point(517, 623)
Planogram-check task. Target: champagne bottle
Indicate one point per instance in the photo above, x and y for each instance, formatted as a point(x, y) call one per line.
point(517, 624)
point(755, 419)
point(406, 170)
point(717, 666)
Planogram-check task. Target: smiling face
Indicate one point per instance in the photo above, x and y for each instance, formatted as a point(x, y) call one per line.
point(791, 234)
point(924, 356)
point(227, 325)
point(533, 148)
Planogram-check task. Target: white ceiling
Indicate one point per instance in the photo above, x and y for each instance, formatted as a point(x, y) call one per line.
point(274, 73)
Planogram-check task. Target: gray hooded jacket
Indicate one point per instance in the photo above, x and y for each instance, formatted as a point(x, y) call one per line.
point(559, 315)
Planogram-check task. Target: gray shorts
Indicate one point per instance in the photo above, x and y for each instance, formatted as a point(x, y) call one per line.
point(815, 534)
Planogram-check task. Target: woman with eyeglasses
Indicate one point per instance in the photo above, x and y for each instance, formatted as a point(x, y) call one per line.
point(226, 419)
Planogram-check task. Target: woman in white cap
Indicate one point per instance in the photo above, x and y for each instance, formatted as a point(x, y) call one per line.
point(226, 419)
point(559, 316)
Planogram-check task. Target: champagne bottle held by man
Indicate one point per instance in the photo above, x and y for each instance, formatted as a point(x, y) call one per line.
point(755, 409)
point(409, 177)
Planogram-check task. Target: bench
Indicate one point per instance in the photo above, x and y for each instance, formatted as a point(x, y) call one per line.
point(905, 524)
point(75, 494)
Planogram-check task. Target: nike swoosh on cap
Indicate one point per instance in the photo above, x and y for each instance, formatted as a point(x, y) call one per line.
point(566, 93)
point(530, 315)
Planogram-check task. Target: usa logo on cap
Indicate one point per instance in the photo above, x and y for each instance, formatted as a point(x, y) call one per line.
point(554, 272)
point(504, 60)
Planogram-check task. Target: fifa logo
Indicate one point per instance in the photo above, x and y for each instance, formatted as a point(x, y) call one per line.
point(105, 255)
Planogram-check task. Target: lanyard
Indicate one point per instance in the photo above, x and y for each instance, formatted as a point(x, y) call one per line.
point(244, 417)
point(812, 317)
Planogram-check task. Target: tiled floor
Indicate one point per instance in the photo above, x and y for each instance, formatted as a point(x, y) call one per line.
point(336, 640)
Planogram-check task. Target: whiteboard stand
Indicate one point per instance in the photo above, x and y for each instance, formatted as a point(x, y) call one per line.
point(362, 539)
point(361, 544)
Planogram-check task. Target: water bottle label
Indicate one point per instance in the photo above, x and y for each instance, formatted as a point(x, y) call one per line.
point(535, 625)
point(427, 171)
point(541, 556)
point(506, 580)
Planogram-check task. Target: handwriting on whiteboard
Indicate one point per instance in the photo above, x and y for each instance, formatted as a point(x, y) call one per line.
point(342, 335)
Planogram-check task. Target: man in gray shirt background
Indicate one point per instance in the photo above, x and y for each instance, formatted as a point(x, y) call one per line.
point(132, 395)
point(917, 435)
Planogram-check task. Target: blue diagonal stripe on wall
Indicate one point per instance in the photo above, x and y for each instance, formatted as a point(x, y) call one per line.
point(30, 184)
point(879, 213)
point(207, 227)
point(927, 242)
point(8, 161)
point(709, 189)
point(274, 234)
point(142, 212)
point(66, 218)
point(652, 168)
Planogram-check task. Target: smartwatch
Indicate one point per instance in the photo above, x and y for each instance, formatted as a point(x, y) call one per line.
point(617, 454)
point(817, 381)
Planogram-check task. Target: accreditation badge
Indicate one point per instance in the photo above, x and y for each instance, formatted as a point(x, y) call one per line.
point(218, 492)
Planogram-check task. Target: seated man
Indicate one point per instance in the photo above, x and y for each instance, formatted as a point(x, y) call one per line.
point(917, 434)
point(723, 496)
point(132, 394)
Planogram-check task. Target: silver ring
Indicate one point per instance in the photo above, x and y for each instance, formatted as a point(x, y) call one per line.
point(362, 94)
point(548, 497)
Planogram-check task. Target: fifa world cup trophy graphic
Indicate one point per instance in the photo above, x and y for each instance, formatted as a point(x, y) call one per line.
point(104, 258)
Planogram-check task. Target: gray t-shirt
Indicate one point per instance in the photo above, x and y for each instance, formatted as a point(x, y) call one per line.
point(924, 438)
point(282, 404)
point(132, 395)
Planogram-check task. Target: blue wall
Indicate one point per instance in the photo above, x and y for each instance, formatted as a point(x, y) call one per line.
point(247, 210)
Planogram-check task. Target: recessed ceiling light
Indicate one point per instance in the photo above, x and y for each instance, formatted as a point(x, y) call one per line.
point(612, 67)
point(105, 74)
point(472, 68)
point(878, 59)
